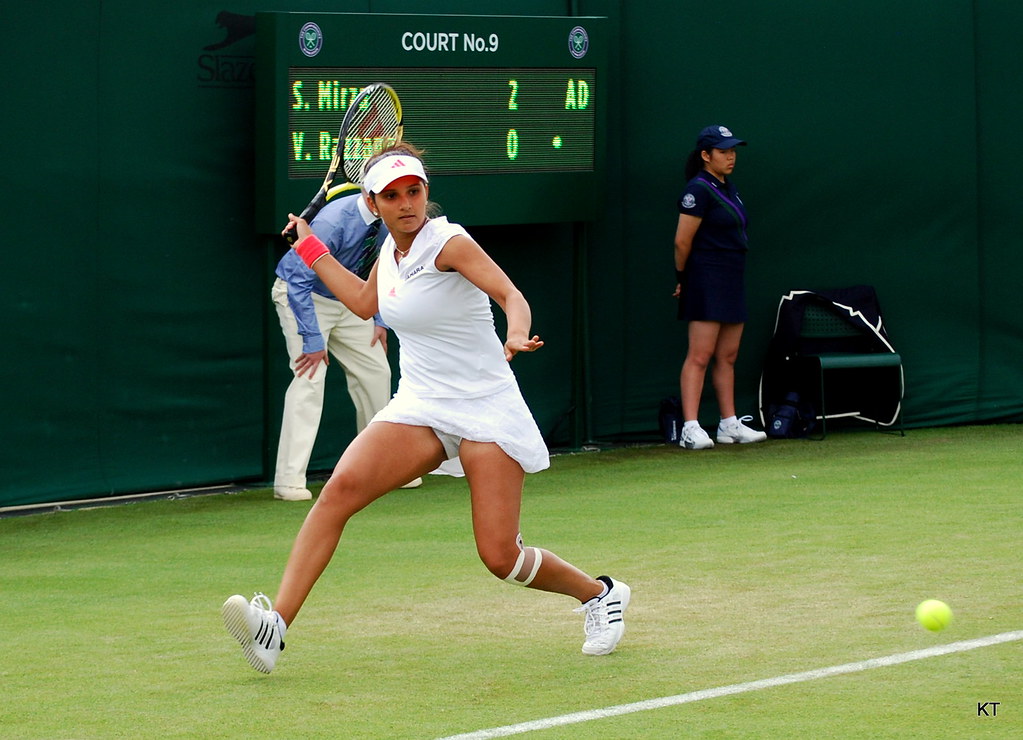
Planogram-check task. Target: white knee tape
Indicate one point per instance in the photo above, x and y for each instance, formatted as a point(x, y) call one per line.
point(526, 566)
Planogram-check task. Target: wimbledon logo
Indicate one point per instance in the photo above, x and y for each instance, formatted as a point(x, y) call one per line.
point(578, 42)
point(310, 39)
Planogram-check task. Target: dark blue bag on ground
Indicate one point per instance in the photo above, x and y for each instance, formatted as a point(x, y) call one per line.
point(669, 419)
point(791, 419)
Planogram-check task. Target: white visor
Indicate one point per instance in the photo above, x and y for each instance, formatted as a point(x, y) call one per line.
point(389, 169)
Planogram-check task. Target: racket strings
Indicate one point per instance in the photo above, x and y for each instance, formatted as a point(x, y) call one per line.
point(376, 124)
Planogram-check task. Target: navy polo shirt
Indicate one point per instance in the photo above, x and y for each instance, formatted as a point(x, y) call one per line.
point(724, 215)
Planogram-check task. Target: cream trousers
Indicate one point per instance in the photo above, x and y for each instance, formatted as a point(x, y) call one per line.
point(347, 338)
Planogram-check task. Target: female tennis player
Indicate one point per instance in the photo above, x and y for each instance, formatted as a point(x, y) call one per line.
point(457, 396)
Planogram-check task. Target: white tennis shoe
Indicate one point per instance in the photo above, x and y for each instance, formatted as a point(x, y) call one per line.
point(738, 433)
point(605, 624)
point(695, 438)
point(254, 625)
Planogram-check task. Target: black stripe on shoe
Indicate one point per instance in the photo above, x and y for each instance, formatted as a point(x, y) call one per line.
point(265, 635)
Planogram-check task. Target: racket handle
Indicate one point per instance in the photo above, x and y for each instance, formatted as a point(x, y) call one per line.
point(307, 214)
point(290, 236)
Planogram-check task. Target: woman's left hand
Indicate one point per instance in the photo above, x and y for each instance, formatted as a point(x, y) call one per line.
point(513, 346)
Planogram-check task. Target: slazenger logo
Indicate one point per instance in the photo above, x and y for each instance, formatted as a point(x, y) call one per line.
point(688, 200)
point(234, 69)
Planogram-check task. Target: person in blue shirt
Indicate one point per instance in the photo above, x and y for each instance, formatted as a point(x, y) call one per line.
point(711, 241)
point(316, 325)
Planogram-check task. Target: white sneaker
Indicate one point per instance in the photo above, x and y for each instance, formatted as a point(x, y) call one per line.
point(414, 483)
point(605, 623)
point(739, 433)
point(292, 493)
point(695, 438)
point(254, 625)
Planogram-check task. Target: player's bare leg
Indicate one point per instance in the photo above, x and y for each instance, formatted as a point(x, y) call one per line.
point(495, 485)
point(383, 457)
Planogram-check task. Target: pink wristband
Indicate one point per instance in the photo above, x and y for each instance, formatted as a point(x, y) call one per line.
point(311, 249)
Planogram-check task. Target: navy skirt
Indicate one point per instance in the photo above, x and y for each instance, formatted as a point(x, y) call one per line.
point(713, 287)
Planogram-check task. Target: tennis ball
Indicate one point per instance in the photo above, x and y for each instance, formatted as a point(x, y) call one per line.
point(933, 614)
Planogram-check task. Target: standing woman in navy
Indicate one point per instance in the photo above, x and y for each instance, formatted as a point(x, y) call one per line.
point(710, 259)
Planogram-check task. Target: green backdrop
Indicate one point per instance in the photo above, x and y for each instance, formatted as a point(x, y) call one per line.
point(142, 352)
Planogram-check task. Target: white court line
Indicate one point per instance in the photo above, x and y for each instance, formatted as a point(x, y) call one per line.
point(739, 688)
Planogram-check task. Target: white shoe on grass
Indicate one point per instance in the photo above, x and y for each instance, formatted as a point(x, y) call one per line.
point(254, 625)
point(292, 493)
point(605, 622)
point(695, 438)
point(738, 433)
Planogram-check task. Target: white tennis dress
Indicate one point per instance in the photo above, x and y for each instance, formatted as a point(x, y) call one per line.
point(454, 377)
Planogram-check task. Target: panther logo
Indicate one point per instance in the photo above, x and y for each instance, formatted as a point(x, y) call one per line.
point(236, 27)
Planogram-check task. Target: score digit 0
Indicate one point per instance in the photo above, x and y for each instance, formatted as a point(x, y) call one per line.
point(512, 141)
point(512, 144)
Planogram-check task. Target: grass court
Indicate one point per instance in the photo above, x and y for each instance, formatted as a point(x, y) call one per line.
point(746, 563)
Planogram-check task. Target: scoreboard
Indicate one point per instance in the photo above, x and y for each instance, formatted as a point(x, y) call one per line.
point(489, 121)
point(510, 110)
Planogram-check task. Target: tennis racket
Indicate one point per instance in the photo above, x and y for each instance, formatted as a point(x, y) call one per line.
point(372, 122)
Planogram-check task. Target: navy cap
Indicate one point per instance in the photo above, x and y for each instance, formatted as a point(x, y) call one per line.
point(717, 137)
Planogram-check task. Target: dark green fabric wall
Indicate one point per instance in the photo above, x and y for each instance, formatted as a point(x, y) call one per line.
point(860, 169)
point(881, 152)
point(141, 349)
point(1000, 259)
